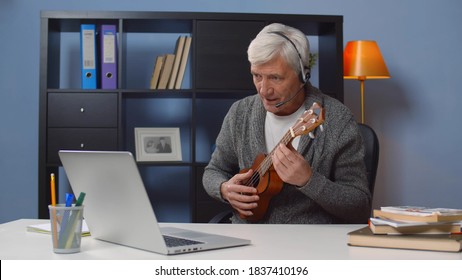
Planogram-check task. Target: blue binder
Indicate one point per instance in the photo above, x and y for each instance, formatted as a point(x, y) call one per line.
point(88, 56)
point(108, 59)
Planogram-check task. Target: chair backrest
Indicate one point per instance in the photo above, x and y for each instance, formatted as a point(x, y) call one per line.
point(371, 157)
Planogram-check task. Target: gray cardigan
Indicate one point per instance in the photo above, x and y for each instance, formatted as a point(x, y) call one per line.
point(337, 191)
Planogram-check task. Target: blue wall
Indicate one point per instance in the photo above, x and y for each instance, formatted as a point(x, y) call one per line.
point(416, 113)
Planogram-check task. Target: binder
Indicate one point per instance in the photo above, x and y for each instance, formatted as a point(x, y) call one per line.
point(88, 55)
point(108, 44)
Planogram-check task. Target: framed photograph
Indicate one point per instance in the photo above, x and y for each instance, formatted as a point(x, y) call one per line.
point(158, 144)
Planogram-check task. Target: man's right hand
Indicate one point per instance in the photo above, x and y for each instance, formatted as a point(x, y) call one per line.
point(242, 198)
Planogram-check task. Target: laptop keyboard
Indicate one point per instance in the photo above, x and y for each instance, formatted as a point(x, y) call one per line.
point(176, 241)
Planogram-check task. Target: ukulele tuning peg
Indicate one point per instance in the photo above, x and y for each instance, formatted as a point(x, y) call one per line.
point(321, 127)
point(311, 135)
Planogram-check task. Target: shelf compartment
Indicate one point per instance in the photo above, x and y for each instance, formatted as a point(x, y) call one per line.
point(155, 112)
point(169, 192)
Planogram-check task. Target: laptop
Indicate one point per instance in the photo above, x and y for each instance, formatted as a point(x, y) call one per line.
point(118, 209)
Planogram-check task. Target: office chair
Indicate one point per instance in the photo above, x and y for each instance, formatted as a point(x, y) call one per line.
point(371, 156)
point(371, 159)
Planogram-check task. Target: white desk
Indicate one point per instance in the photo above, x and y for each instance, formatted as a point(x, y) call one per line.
point(270, 242)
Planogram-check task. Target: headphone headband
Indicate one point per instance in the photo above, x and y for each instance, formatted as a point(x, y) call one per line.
point(303, 76)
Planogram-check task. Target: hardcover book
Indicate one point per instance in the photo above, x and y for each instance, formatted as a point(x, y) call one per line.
point(156, 73)
point(166, 71)
point(176, 63)
point(419, 214)
point(364, 237)
point(183, 62)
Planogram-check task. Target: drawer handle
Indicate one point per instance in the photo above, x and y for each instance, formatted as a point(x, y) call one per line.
point(82, 110)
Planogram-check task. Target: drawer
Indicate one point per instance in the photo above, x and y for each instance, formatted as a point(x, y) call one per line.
point(82, 110)
point(96, 139)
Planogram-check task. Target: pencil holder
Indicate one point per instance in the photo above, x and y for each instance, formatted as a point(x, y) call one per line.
point(66, 228)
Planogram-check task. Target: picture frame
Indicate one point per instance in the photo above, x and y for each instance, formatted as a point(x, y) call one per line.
point(158, 144)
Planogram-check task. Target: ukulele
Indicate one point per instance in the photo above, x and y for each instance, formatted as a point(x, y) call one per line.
point(264, 178)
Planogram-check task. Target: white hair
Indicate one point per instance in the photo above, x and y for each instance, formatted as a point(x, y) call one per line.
point(278, 39)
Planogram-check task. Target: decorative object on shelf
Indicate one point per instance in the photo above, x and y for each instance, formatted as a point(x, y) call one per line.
point(158, 144)
point(362, 60)
point(313, 60)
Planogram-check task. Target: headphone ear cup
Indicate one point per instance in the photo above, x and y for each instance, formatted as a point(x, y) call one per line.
point(305, 75)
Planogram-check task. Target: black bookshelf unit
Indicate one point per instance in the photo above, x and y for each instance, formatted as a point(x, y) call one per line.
point(217, 74)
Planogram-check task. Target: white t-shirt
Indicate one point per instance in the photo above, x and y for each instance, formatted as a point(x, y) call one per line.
point(277, 126)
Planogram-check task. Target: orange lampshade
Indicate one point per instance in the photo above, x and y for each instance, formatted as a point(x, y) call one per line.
point(362, 60)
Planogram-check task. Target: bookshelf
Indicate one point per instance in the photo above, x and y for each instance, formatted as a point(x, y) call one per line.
point(217, 74)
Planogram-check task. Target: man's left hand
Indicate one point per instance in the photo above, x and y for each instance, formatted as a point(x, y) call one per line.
point(291, 167)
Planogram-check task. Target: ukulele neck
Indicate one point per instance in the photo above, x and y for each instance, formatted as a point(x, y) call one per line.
point(267, 162)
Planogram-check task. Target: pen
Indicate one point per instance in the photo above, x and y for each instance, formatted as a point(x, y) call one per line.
point(65, 218)
point(69, 199)
point(80, 199)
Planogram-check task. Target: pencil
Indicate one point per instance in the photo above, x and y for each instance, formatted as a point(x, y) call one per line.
point(54, 224)
point(53, 189)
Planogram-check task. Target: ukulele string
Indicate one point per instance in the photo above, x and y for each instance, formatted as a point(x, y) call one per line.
point(267, 162)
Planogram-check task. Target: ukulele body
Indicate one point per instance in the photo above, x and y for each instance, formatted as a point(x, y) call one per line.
point(268, 185)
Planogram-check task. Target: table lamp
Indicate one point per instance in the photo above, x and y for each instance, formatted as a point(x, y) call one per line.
point(362, 60)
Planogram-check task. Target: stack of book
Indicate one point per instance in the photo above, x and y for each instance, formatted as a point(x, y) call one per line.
point(409, 227)
point(169, 69)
